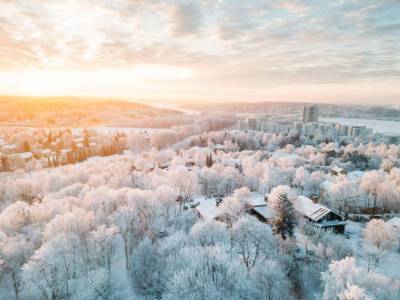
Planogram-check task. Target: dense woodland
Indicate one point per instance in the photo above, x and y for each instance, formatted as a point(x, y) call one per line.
point(121, 227)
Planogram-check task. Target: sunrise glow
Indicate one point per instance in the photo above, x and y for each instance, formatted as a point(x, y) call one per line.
point(202, 51)
point(199, 149)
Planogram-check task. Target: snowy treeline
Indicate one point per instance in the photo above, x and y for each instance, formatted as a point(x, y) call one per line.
point(122, 227)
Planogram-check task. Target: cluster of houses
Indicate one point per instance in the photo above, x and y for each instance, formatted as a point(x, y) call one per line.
point(315, 128)
point(25, 148)
point(209, 208)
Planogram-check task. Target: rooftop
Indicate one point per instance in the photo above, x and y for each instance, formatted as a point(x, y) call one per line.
point(308, 208)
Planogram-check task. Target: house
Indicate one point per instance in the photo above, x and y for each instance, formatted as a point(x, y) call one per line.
point(258, 207)
point(9, 148)
point(320, 215)
point(25, 156)
point(206, 208)
point(263, 213)
point(336, 171)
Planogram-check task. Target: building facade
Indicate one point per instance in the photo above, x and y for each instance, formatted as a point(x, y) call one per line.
point(310, 114)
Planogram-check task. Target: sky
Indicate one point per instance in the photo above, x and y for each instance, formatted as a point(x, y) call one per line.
point(345, 51)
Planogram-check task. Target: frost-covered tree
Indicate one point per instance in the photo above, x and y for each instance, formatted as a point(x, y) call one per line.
point(370, 184)
point(103, 245)
point(343, 193)
point(253, 241)
point(209, 233)
point(184, 181)
point(14, 251)
point(211, 275)
point(388, 195)
point(51, 269)
point(379, 234)
point(301, 179)
point(147, 269)
point(270, 281)
point(354, 292)
point(281, 200)
point(233, 207)
point(345, 278)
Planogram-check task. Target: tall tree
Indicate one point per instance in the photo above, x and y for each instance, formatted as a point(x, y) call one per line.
point(26, 147)
point(209, 161)
point(285, 221)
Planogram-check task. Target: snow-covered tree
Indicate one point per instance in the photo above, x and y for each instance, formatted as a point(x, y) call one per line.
point(379, 234)
point(345, 279)
point(343, 193)
point(370, 184)
point(281, 200)
point(253, 241)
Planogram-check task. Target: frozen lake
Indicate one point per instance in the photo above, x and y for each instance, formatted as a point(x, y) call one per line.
point(379, 126)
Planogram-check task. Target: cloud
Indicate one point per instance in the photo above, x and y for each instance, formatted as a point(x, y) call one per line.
point(233, 42)
point(185, 18)
point(293, 6)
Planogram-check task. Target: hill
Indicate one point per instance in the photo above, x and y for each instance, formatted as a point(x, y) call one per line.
point(72, 111)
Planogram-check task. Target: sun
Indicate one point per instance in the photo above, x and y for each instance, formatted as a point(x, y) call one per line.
point(32, 82)
point(38, 88)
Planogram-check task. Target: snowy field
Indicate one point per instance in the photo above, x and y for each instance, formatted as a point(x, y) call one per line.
point(379, 126)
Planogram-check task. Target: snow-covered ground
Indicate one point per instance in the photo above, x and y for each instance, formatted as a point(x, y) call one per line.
point(379, 126)
point(389, 262)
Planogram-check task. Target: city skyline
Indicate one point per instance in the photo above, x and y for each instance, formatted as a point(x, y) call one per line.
point(338, 52)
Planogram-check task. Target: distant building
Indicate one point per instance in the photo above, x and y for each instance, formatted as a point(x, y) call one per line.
point(336, 171)
point(310, 114)
point(358, 131)
point(9, 149)
point(252, 123)
point(390, 138)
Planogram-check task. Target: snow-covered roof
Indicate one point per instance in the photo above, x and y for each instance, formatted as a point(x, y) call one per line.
point(207, 208)
point(311, 210)
point(355, 175)
point(337, 169)
point(282, 154)
point(65, 151)
point(395, 221)
point(265, 211)
point(25, 155)
point(256, 199)
point(231, 162)
point(10, 146)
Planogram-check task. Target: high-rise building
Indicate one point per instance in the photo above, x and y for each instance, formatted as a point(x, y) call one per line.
point(310, 114)
point(359, 131)
point(392, 138)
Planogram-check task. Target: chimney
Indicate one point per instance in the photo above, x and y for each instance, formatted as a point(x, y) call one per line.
point(314, 198)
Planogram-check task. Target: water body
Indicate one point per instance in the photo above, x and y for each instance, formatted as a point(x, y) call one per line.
point(379, 126)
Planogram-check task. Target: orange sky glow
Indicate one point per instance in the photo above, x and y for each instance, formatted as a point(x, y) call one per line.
point(340, 52)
